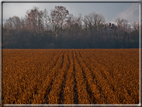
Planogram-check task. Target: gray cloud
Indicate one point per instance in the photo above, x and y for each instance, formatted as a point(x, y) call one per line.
point(110, 11)
point(131, 13)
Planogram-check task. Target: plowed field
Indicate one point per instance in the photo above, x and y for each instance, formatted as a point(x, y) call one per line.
point(70, 76)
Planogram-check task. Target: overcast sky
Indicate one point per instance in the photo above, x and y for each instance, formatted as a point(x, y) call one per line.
point(111, 11)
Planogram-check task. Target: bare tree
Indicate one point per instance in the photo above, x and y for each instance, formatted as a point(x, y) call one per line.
point(123, 28)
point(136, 26)
point(58, 16)
point(13, 23)
point(93, 19)
point(46, 19)
point(135, 33)
point(40, 21)
point(122, 25)
point(73, 22)
point(32, 21)
point(93, 24)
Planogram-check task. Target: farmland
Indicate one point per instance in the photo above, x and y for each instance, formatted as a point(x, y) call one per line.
point(70, 76)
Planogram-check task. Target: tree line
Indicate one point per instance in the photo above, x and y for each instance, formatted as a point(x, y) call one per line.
point(60, 29)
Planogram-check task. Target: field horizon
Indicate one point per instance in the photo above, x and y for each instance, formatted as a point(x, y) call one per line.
point(70, 48)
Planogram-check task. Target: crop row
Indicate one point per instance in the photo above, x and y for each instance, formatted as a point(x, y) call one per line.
point(75, 76)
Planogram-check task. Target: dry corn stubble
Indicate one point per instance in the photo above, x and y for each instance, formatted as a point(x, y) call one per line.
point(70, 76)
